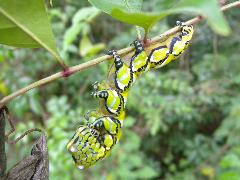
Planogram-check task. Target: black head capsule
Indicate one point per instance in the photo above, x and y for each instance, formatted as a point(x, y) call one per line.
point(117, 60)
point(179, 23)
point(138, 46)
point(112, 52)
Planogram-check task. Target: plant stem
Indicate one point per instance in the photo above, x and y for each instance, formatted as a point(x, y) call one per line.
point(138, 32)
point(3, 159)
point(94, 62)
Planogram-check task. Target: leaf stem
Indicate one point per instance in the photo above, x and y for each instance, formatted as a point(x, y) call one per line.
point(138, 32)
point(71, 70)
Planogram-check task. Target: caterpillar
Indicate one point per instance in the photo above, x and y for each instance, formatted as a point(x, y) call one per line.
point(94, 141)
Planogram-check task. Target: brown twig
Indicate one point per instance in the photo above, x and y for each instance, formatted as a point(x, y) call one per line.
point(4, 111)
point(3, 159)
point(94, 62)
point(23, 135)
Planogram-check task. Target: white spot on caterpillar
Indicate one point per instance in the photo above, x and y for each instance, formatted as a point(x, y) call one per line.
point(73, 149)
point(80, 167)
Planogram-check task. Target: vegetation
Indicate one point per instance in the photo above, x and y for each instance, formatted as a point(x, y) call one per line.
point(183, 120)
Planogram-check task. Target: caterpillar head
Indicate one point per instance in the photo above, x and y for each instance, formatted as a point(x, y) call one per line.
point(138, 46)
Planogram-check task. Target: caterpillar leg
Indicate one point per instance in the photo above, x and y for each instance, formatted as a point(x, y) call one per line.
point(139, 61)
point(123, 77)
point(114, 102)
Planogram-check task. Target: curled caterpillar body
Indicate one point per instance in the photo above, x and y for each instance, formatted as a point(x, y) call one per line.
point(114, 102)
point(95, 141)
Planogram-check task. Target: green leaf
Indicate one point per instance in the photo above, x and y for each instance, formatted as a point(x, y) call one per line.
point(80, 24)
point(15, 37)
point(206, 8)
point(25, 23)
point(5, 23)
point(145, 20)
point(71, 34)
point(130, 121)
point(233, 175)
point(87, 48)
point(107, 6)
point(230, 160)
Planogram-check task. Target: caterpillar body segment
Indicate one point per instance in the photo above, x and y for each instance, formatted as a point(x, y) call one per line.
point(107, 99)
point(139, 61)
point(123, 78)
point(108, 124)
point(176, 46)
point(158, 55)
point(114, 102)
point(110, 129)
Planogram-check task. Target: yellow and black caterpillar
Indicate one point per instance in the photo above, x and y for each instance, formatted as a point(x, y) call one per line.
point(94, 141)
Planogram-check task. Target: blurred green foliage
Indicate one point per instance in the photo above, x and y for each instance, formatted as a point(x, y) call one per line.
point(183, 121)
